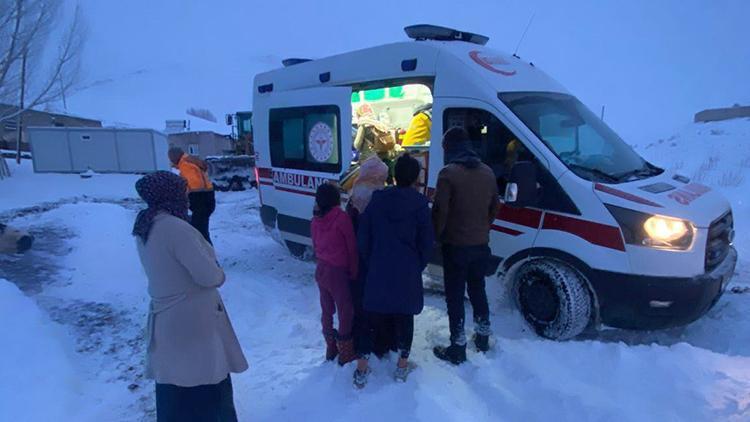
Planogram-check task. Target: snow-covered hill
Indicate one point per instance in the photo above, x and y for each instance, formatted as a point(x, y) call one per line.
point(653, 63)
point(716, 154)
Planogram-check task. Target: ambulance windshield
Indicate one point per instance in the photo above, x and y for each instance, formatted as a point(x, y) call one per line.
point(581, 140)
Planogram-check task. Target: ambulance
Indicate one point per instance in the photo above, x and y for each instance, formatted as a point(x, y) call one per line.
point(589, 234)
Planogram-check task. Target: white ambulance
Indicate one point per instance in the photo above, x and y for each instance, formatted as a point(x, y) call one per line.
point(589, 233)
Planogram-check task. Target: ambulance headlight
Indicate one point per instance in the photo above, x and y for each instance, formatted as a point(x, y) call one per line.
point(666, 230)
point(654, 231)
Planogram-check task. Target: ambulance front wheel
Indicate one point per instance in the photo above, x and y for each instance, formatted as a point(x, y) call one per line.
point(553, 298)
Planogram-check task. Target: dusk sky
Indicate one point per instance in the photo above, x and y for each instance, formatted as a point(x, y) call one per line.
point(653, 64)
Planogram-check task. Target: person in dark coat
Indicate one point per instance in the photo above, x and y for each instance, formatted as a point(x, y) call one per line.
point(395, 239)
point(465, 205)
point(372, 177)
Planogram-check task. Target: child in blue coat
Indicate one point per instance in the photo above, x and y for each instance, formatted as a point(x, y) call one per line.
point(395, 239)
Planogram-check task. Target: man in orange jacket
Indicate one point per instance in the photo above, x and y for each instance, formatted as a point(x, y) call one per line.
point(200, 188)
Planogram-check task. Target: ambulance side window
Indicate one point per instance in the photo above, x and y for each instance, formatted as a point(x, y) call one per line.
point(306, 138)
point(491, 139)
point(500, 150)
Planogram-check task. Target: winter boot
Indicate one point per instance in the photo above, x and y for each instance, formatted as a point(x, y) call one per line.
point(454, 353)
point(360, 378)
point(402, 373)
point(482, 332)
point(482, 342)
point(346, 351)
point(331, 350)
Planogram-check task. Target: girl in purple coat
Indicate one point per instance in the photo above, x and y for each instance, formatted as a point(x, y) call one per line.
point(336, 252)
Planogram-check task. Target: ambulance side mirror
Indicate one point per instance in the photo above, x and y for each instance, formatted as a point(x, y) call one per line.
point(521, 190)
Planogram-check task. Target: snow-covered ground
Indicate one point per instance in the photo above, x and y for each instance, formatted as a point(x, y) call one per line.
point(27, 189)
point(72, 347)
point(42, 350)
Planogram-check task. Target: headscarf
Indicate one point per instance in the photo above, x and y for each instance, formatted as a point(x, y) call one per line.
point(163, 192)
point(372, 176)
point(326, 197)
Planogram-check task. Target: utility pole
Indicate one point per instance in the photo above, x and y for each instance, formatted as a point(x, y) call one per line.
point(19, 132)
point(602, 115)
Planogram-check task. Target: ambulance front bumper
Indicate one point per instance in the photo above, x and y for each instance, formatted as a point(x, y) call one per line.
point(652, 303)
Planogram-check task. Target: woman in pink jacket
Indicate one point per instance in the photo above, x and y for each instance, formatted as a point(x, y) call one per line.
point(336, 251)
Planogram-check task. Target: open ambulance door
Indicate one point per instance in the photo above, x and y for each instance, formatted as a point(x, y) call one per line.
point(514, 229)
point(309, 134)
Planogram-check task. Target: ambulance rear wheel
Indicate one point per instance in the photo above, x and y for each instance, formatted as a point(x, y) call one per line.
point(299, 250)
point(553, 298)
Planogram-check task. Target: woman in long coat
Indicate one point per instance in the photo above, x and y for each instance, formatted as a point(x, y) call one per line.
point(192, 347)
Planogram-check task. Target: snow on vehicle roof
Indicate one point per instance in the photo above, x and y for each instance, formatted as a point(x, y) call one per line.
point(501, 71)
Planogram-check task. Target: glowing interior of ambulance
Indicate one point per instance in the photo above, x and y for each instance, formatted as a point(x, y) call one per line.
point(386, 121)
point(394, 107)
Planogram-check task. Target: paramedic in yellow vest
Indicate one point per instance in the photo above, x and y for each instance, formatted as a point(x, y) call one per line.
point(419, 128)
point(512, 151)
point(200, 189)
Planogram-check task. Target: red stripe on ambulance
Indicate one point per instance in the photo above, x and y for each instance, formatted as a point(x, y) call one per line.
point(506, 230)
point(522, 216)
point(297, 191)
point(301, 184)
point(265, 173)
point(596, 233)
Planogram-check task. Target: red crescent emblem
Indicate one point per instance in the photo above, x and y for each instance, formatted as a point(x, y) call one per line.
point(489, 63)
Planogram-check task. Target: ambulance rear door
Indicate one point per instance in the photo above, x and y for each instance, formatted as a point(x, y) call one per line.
point(309, 142)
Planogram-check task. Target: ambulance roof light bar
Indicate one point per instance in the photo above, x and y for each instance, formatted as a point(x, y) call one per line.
point(294, 61)
point(440, 33)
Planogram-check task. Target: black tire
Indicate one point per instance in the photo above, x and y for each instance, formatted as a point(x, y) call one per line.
point(553, 298)
point(299, 250)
